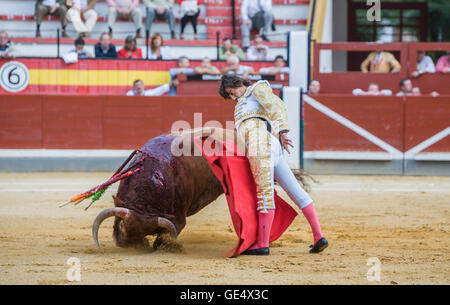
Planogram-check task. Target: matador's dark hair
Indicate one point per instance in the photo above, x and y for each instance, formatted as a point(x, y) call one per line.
point(231, 81)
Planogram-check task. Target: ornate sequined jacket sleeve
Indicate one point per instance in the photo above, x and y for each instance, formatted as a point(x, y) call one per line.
point(274, 106)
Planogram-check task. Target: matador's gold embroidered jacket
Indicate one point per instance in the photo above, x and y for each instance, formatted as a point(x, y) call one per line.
point(260, 102)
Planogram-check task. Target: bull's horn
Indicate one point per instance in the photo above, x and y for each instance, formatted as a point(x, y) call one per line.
point(168, 225)
point(119, 212)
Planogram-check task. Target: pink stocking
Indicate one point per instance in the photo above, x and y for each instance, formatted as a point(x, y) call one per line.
point(310, 213)
point(264, 225)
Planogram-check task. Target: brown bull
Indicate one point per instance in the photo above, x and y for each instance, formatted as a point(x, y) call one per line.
point(157, 199)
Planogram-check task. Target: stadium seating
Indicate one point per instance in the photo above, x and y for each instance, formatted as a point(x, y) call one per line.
point(17, 18)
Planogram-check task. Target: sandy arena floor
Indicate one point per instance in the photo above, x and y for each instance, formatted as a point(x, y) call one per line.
point(401, 221)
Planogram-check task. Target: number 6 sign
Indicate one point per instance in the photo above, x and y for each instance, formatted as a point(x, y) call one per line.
point(14, 76)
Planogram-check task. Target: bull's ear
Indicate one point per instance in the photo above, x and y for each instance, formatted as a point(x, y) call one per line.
point(118, 202)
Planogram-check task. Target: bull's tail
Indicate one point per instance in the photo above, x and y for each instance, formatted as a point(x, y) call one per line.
point(96, 192)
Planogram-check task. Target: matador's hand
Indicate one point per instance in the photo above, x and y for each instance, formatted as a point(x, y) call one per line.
point(285, 142)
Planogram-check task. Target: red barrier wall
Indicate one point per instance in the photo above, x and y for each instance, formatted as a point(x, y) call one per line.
point(402, 122)
point(97, 122)
point(118, 122)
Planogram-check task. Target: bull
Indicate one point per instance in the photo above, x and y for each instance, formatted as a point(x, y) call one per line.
point(158, 199)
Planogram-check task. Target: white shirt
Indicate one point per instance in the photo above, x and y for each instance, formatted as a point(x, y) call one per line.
point(250, 7)
point(426, 65)
point(254, 54)
point(80, 4)
point(152, 92)
point(270, 69)
point(50, 3)
point(164, 50)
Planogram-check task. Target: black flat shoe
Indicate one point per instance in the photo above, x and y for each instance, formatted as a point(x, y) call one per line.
point(260, 251)
point(320, 245)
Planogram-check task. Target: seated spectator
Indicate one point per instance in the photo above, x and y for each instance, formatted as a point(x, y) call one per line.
point(406, 87)
point(53, 8)
point(78, 53)
point(424, 64)
point(373, 89)
point(130, 50)
point(258, 51)
point(161, 9)
point(189, 10)
point(255, 14)
point(279, 67)
point(183, 68)
point(443, 63)
point(235, 68)
point(124, 9)
point(206, 68)
point(314, 87)
point(85, 8)
point(228, 49)
point(139, 89)
point(7, 48)
point(104, 48)
point(380, 62)
point(416, 92)
point(157, 49)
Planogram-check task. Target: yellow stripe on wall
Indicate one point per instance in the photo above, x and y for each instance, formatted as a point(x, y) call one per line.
point(96, 77)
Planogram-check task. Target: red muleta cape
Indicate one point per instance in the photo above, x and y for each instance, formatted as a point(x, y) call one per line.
point(240, 190)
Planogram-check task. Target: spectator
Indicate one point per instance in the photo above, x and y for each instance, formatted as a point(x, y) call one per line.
point(157, 49)
point(139, 89)
point(383, 62)
point(190, 11)
point(424, 64)
point(258, 51)
point(104, 48)
point(314, 87)
point(50, 7)
point(373, 89)
point(279, 67)
point(228, 49)
point(443, 63)
point(7, 48)
point(161, 9)
point(235, 68)
point(255, 14)
point(406, 87)
point(206, 68)
point(183, 68)
point(124, 9)
point(78, 53)
point(416, 91)
point(85, 8)
point(130, 50)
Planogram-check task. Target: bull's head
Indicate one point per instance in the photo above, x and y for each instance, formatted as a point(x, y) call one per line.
point(130, 228)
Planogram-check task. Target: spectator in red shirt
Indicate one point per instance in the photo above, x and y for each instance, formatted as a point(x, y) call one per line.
point(130, 50)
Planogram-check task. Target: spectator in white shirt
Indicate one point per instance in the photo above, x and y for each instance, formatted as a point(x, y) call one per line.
point(249, 10)
point(279, 67)
point(86, 9)
point(139, 89)
point(157, 48)
point(424, 64)
point(235, 68)
point(258, 51)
